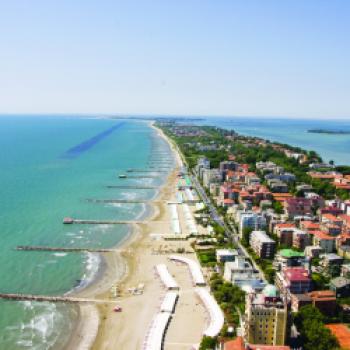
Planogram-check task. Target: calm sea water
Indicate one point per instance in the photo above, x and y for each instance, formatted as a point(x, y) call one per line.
point(294, 132)
point(49, 167)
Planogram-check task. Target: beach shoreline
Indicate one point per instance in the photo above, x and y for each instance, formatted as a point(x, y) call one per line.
point(116, 268)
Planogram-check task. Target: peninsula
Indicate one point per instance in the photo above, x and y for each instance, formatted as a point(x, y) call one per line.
point(326, 131)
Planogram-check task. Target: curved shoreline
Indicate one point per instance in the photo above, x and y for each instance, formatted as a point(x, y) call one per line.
point(116, 269)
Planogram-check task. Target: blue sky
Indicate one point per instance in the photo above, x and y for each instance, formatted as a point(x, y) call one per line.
point(181, 57)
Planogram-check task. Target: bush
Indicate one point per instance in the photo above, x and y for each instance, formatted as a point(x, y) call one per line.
point(208, 343)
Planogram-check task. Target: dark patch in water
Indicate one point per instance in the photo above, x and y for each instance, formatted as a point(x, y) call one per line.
point(87, 144)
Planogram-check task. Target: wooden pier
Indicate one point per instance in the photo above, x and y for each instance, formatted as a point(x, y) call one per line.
point(100, 222)
point(160, 167)
point(131, 187)
point(64, 249)
point(145, 171)
point(68, 221)
point(132, 201)
point(54, 299)
point(140, 176)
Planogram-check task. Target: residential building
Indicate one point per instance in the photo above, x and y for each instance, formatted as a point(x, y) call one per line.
point(262, 244)
point(225, 255)
point(301, 239)
point(228, 165)
point(344, 251)
point(297, 207)
point(331, 263)
point(345, 271)
point(241, 273)
point(251, 220)
point(289, 258)
point(295, 280)
point(313, 251)
point(284, 232)
point(326, 242)
point(278, 186)
point(211, 176)
point(266, 167)
point(266, 318)
point(324, 300)
point(340, 286)
point(202, 163)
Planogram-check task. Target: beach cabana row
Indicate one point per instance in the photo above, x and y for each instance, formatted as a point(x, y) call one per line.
point(174, 216)
point(195, 270)
point(190, 223)
point(215, 313)
point(189, 195)
point(155, 337)
point(166, 277)
point(169, 302)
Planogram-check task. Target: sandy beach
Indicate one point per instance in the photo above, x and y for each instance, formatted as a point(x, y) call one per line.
point(101, 328)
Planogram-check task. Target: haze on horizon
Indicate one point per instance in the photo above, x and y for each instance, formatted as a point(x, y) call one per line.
point(186, 57)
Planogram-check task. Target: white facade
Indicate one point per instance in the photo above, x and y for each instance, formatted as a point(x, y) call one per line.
point(241, 273)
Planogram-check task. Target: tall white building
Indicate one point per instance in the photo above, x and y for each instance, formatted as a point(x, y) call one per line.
point(251, 220)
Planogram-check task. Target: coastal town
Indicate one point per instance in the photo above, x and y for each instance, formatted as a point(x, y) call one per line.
point(276, 244)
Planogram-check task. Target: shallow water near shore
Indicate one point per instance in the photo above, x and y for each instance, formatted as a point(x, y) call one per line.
point(39, 189)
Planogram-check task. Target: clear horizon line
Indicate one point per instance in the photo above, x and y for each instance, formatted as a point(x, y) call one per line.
point(168, 115)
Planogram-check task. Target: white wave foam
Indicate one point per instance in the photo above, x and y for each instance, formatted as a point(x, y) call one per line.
point(42, 330)
point(92, 265)
point(59, 254)
point(129, 195)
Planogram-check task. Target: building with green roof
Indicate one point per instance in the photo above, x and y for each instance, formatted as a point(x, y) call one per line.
point(291, 253)
point(289, 258)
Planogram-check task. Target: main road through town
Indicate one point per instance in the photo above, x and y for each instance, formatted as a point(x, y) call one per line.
point(230, 233)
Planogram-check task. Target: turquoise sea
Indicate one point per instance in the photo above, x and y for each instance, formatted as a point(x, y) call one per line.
point(294, 132)
point(49, 167)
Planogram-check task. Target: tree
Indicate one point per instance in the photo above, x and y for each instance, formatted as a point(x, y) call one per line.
point(314, 335)
point(207, 343)
point(246, 235)
point(278, 207)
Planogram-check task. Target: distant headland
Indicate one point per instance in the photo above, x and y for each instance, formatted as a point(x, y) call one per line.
point(326, 131)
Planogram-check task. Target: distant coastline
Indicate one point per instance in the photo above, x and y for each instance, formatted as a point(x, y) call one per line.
point(326, 131)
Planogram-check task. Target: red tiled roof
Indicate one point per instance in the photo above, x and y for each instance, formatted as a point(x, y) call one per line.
point(285, 225)
point(330, 217)
point(236, 344)
point(322, 294)
point(316, 175)
point(310, 225)
point(345, 218)
point(297, 274)
point(228, 201)
point(322, 235)
point(289, 195)
point(342, 333)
